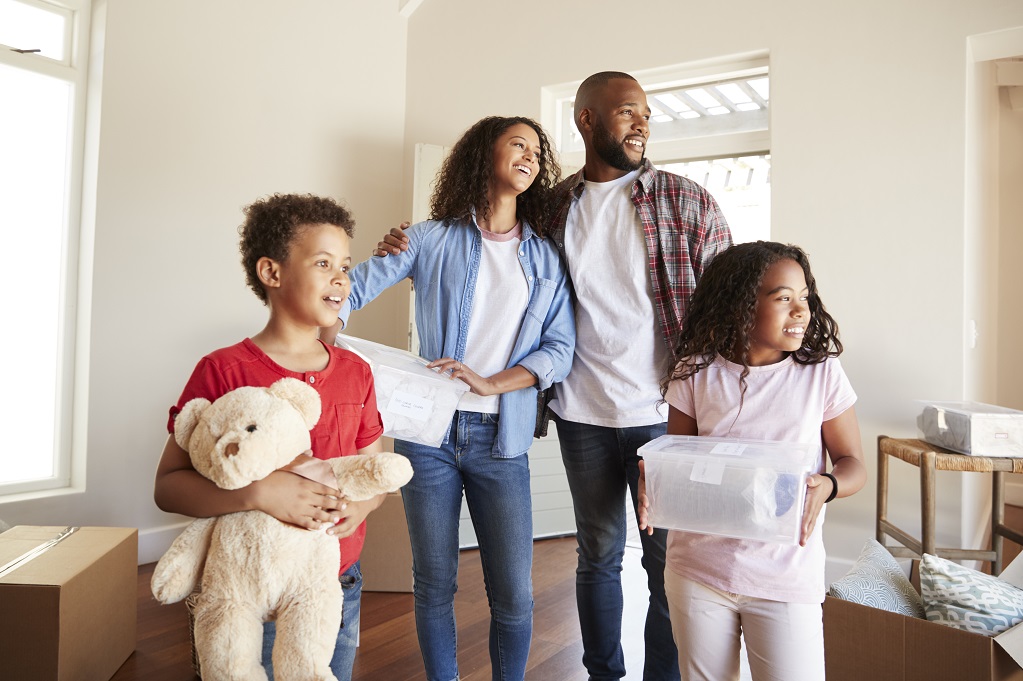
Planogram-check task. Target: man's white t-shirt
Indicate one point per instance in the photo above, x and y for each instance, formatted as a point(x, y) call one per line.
point(620, 352)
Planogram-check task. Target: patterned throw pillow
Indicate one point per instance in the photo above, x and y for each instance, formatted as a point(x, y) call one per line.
point(966, 599)
point(877, 580)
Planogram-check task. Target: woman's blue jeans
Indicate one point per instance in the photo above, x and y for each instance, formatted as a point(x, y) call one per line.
point(602, 464)
point(497, 493)
point(347, 637)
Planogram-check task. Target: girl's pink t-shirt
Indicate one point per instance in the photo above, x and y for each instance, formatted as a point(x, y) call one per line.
point(786, 402)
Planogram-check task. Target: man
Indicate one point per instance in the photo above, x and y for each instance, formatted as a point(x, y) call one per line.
point(635, 240)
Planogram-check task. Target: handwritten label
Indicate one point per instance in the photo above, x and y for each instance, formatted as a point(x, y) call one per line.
point(728, 448)
point(412, 406)
point(709, 472)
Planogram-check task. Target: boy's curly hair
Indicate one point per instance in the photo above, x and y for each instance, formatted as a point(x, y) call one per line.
point(720, 317)
point(464, 179)
point(271, 225)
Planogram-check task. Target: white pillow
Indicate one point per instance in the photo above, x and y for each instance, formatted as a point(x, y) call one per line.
point(967, 599)
point(877, 580)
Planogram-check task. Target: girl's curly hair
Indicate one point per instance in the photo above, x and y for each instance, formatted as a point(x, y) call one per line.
point(271, 224)
point(463, 182)
point(720, 316)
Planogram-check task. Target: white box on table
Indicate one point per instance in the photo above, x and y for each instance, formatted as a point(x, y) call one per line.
point(416, 403)
point(972, 428)
point(750, 489)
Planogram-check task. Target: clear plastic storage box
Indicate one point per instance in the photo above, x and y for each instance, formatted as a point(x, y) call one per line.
point(750, 489)
point(416, 403)
point(972, 428)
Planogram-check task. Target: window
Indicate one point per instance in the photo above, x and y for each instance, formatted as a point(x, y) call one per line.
point(709, 122)
point(741, 186)
point(43, 52)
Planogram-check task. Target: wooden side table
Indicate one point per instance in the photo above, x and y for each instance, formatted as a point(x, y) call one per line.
point(930, 459)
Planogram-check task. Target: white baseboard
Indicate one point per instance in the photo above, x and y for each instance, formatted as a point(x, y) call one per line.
point(153, 543)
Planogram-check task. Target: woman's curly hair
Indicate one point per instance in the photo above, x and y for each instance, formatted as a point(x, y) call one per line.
point(720, 316)
point(463, 182)
point(272, 223)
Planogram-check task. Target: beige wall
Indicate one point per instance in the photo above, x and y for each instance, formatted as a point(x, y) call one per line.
point(207, 106)
point(868, 136)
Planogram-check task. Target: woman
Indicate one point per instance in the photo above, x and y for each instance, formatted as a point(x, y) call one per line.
point(493, 309)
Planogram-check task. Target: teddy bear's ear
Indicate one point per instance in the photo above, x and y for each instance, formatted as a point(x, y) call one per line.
point(305, 398)
point(187, 419)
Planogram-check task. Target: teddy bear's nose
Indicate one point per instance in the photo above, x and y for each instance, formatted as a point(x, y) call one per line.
point(231, 449)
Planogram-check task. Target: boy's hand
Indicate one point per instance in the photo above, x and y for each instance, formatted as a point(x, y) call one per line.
point(394, 242)
point(643, 502)
point(296, 500)
point(818, 488)
point(355, 513)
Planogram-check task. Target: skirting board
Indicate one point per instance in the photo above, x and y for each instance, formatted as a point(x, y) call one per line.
point(154, 543)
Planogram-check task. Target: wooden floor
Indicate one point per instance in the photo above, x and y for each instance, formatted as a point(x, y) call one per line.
point(389, 650)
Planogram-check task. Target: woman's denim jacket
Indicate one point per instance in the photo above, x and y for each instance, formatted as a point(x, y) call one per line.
point(443, 259)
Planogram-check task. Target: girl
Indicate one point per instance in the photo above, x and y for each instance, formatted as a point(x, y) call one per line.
point(758, 359)
point(493, 309)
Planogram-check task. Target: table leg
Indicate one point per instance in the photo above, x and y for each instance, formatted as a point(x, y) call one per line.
point(997, 518)
point(927, 460)
point(882, 490)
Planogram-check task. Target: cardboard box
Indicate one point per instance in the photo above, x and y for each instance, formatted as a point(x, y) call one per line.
point(415, 403)
point(730, 487)
point(387, 554)
point(68, 607)
point(861, 642)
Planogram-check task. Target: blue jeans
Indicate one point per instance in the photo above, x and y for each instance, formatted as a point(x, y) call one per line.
point(347, 635)
point(601, 464)
point(497, 493)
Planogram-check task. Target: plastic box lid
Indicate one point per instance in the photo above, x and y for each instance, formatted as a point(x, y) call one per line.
point(377, 354)
point(742, 452)
point(974, 408)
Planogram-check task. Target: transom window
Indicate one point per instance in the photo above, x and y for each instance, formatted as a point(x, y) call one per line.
point(684, 112)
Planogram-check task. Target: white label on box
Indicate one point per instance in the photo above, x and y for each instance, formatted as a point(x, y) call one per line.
point(412, 406)
point(709, 472)
point(728, 448)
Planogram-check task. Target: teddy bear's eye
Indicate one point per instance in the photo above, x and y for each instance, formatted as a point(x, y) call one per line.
point(251, 429)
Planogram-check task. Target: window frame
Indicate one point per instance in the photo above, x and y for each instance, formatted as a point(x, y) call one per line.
point(72, 357)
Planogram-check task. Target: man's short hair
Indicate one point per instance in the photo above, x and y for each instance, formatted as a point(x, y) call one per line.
point(584, 95)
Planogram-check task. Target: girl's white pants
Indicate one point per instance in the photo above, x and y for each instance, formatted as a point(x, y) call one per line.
point(784, 641)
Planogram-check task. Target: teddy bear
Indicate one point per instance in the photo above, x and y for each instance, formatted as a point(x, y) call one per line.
point(253, 567)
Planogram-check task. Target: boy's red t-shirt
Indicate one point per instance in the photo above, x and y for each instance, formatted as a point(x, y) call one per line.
point(349, 419)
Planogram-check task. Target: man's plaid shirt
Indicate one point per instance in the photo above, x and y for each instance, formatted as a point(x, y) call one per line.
point(684, 230)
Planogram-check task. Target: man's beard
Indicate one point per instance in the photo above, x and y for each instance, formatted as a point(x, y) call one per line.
point(611, 151)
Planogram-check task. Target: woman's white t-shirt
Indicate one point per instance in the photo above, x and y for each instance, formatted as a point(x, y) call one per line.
point(499, 304)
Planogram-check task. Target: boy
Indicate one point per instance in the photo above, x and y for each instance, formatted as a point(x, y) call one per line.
point(296, 254)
